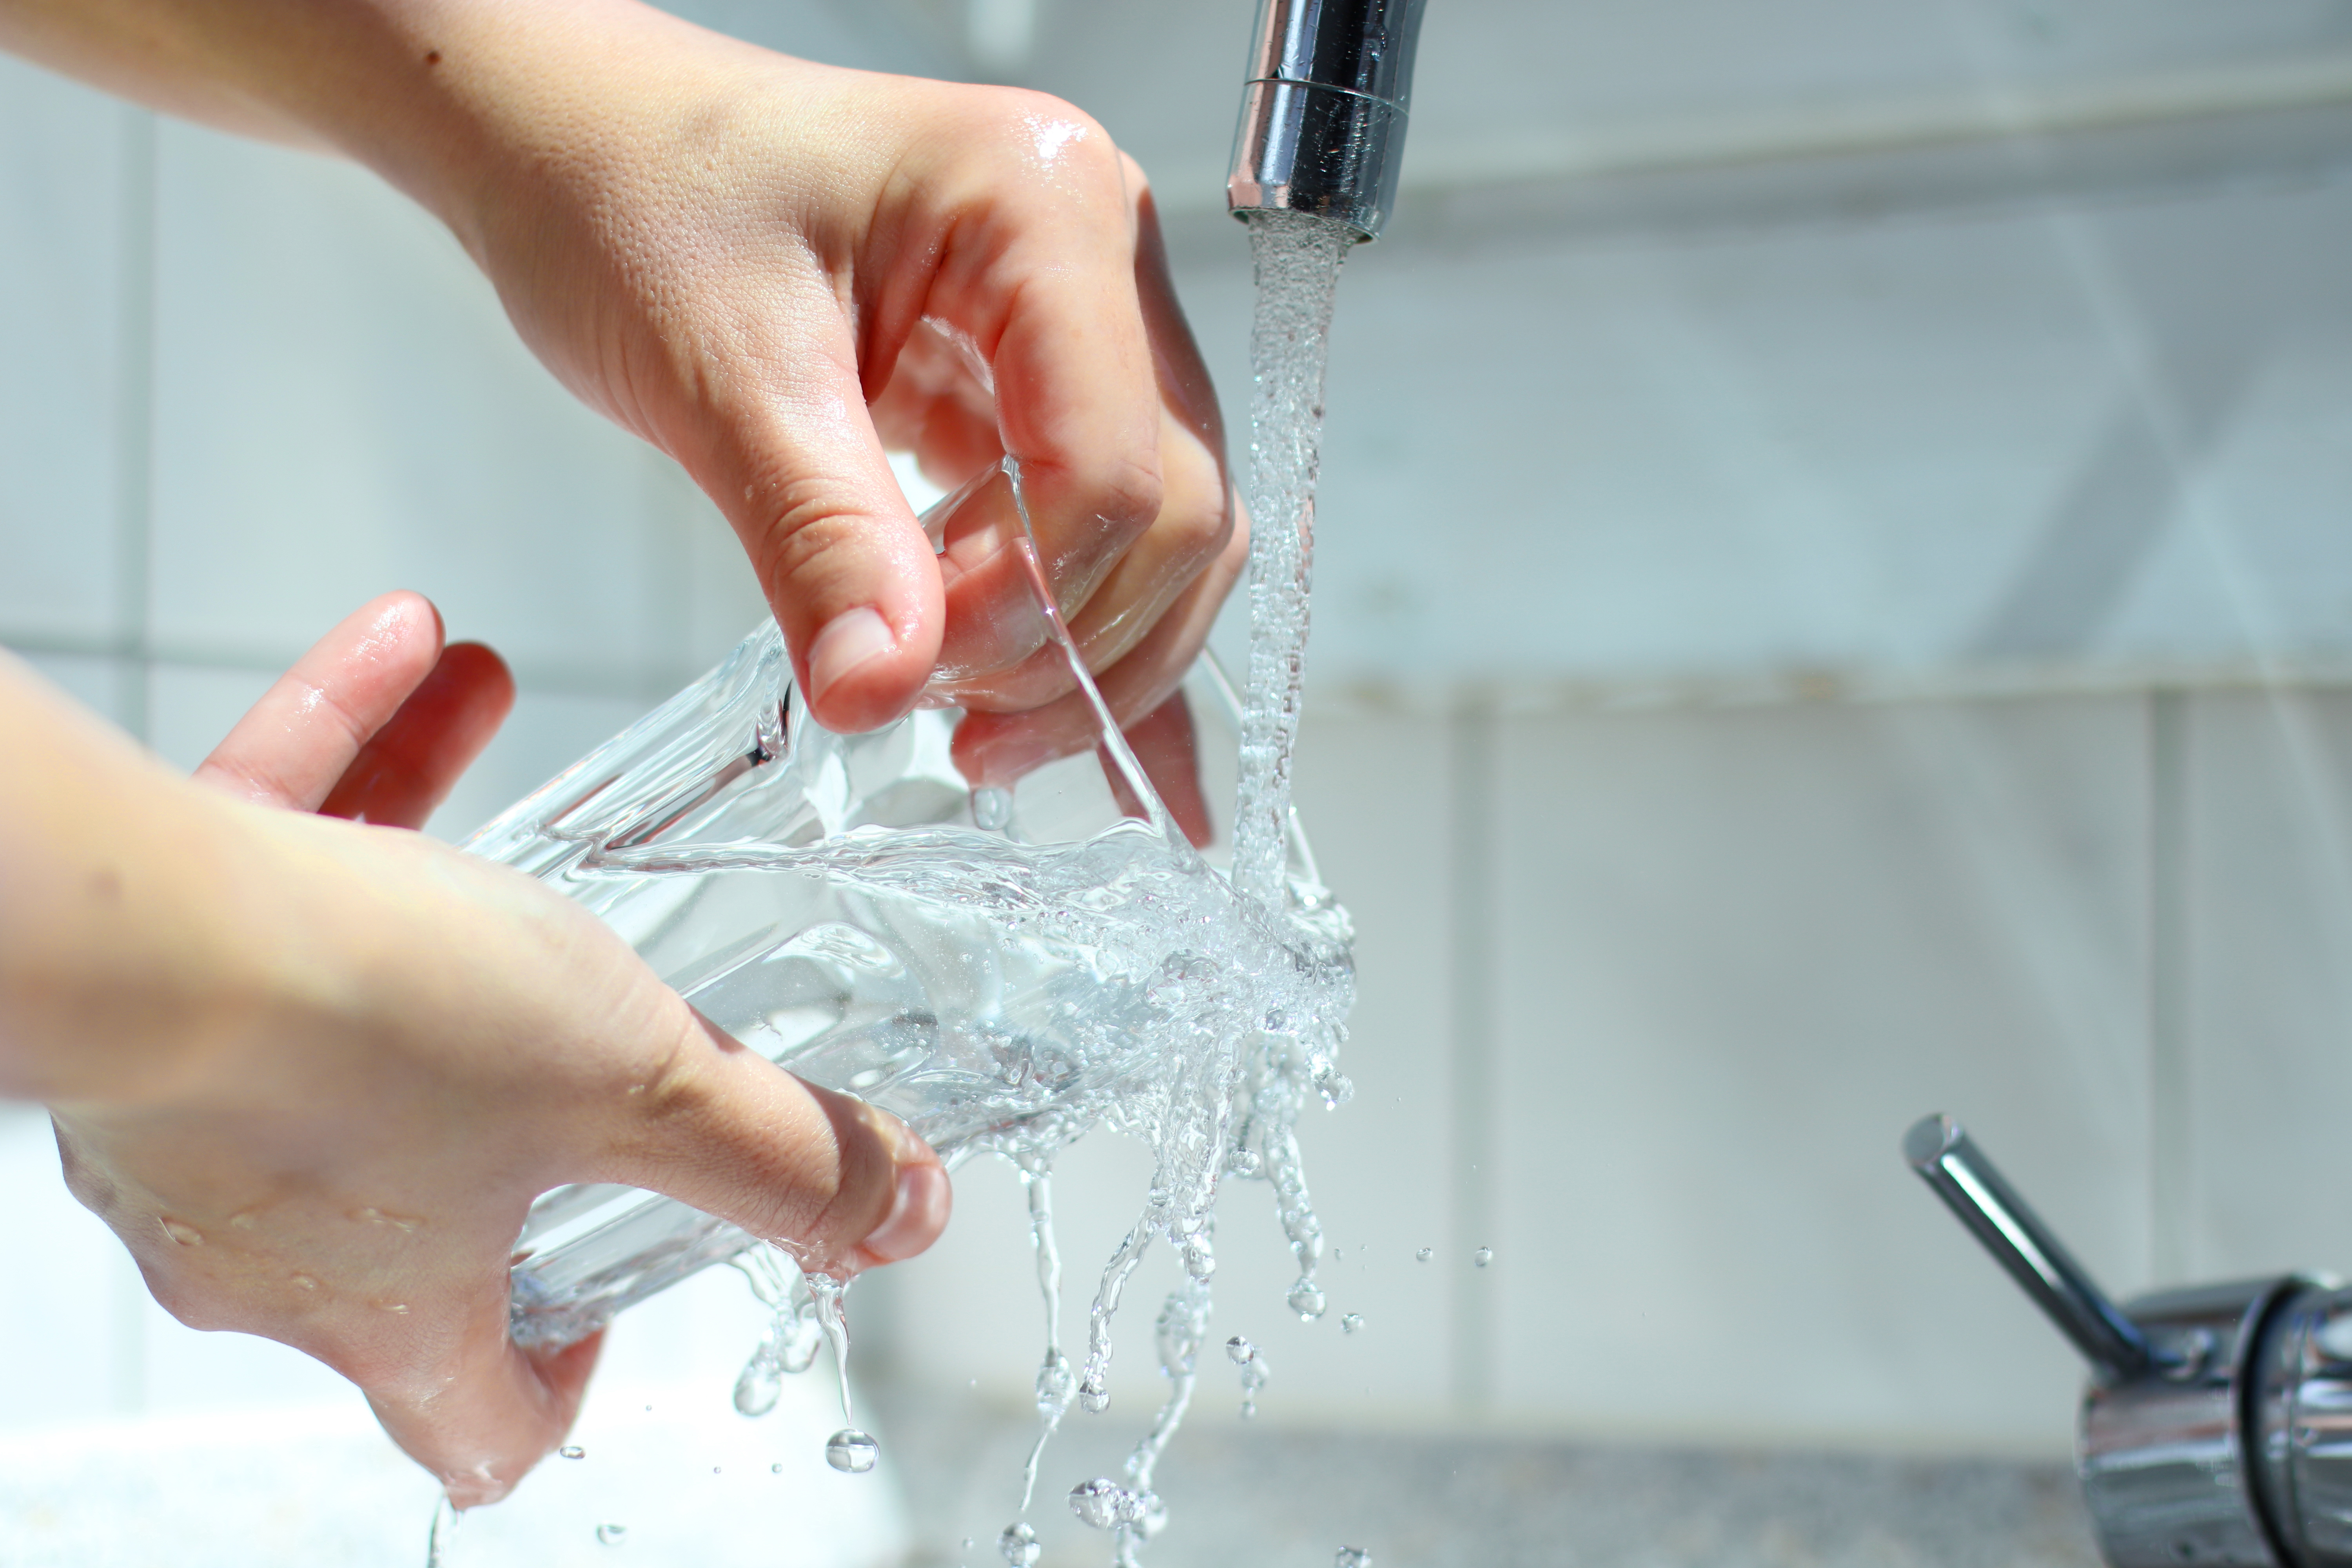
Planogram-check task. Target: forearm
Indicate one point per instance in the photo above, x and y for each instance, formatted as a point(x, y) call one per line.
point(449, 99)
point(138, 932)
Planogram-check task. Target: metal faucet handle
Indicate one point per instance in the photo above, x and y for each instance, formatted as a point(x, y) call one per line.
point(1946, 1159)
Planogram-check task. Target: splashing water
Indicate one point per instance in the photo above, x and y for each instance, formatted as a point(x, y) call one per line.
point(1232, 1109)
point(1138, 990)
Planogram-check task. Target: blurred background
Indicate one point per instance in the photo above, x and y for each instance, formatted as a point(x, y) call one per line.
point(1834, 601)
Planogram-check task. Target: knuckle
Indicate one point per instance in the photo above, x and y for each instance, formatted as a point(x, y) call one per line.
point(1125, 490)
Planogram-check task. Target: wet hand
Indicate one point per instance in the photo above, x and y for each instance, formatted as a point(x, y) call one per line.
point(773, 271)
point(332, 1143)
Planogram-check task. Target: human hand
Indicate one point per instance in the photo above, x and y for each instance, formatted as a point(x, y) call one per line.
point(773, 270)
point(336, 1145)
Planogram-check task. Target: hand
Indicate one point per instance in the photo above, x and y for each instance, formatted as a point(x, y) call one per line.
point(334, 1146)
point(773, 270)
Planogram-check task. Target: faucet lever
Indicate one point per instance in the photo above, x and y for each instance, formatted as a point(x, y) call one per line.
point(1949, 1161)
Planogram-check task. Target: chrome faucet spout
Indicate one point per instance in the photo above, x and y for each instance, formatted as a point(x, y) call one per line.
point(1323, 112)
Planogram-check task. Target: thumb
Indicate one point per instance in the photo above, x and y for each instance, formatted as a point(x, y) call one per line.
point(844, 564)
point(839, 1184)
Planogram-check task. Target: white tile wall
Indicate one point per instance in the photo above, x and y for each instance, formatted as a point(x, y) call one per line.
point(387, 428)
point(2268, 861)
point(1740, 953)
point(62, 157)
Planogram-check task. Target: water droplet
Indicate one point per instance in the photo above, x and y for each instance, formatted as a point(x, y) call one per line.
point(304, 1282)
point(777, 1468)
point(992, 809)
point(1103, 1503)
point(573, 1451)
point(965, 1545)
point(852, 1450)
point(760, 1387)
point(1424, 1255)
point(1055, 1383)
point(186, 1234)
point(612, 1534)
point(243, 1221)
point(1350, 1321)
point(1241, 1350)
point(1353, 1557)
point(1482, 1257)
point(1095, 1396)
point(1019, 1546)
point(1244, 1161)
point(1307, 1299)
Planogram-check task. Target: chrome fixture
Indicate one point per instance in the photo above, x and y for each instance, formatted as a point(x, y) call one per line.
point(2217, 1424)
point(1323, 113)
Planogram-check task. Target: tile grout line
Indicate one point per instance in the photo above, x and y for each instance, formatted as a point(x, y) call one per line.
point(1470, 757)
point(2170, 1136)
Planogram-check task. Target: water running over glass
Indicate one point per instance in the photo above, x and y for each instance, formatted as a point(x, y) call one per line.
point(1003, 951)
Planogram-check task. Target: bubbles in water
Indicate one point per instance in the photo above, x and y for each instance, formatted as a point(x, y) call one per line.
point(612, 1534)
point(852, 1450)
point(573, 1451)
point(1307, 1299)
point(992, 809)
point(1019, 1546)
point(1097, 1502)
point(1424, 1255)
point(1104, 1503)
point(1353, 1557)
point(1482, 1257)
point(1350, 1321)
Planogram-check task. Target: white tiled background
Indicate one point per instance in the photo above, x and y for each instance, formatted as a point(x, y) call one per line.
point(1835, 578)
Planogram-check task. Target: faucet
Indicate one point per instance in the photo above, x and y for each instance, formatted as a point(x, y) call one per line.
point(1323, 112)
point(2217, 1423)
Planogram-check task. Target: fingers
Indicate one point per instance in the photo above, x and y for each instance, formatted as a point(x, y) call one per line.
point(485, 1411)
point(407, 768)
point(292, 746)
point(839, 1184)
point(844, 564)
point(998, 748)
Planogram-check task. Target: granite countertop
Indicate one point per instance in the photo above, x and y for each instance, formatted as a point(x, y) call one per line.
point(1252, 1498)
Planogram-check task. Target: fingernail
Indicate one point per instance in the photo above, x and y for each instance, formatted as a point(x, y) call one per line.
point(850, 641)
point(916, 1215)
